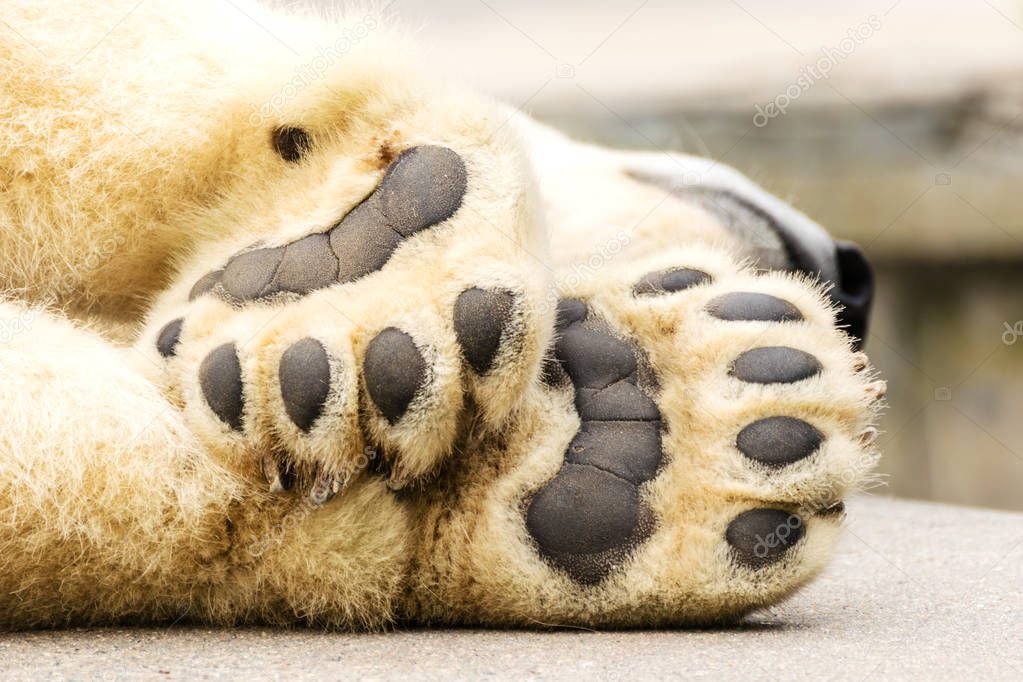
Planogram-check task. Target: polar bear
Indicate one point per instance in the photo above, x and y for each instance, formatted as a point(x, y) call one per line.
point(297, 332)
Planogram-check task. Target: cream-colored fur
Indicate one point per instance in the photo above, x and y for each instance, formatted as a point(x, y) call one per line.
point(136, 156)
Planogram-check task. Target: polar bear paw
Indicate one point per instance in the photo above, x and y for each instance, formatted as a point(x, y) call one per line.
point(362, 346)
point(705, 423)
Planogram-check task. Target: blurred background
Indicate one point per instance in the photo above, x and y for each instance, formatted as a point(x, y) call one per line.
point(896, 124)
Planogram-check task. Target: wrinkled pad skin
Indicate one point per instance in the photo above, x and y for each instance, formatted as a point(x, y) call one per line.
point(588, 518)
point(424, 186)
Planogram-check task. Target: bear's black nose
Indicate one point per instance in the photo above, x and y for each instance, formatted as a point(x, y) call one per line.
point(853, 290)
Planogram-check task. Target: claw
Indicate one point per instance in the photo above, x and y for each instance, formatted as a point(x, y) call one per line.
point(398, 478)
point(837, 509)
point(868, 436)
point(860, 362)
point(877, 389)
point(326, 485)
point(277, 474)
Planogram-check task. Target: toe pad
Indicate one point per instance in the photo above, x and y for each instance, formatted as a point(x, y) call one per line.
point(669, 281)
point(775, 365)
point(220, 377)
point(778, 441)
point(480, 319)
point(753, 307)
point(167, 340)
point(395, 371)
point(760, 537)
point(304, 374)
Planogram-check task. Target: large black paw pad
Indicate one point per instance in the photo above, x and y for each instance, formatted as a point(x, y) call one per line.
point(304, 374)
point(424, 186)
point(394, 371)
point(588, 518)
point(778, 441)
point(760, 537)
point(220, 378)
point(247, 275)
point(631, 450)
point(481, 316)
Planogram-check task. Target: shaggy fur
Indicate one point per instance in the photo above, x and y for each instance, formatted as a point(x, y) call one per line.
point(136, 155)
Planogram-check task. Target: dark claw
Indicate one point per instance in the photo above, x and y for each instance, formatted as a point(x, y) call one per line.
point(326, 485)
point(278, 475)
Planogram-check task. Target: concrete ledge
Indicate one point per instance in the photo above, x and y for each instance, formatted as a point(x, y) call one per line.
point(918, 591)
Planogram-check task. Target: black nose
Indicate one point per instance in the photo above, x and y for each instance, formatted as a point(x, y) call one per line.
point(853, 290)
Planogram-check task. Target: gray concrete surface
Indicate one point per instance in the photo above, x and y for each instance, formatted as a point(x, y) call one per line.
point(917, 591)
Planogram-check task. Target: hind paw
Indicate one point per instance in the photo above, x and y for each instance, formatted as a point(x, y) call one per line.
point(704, 425)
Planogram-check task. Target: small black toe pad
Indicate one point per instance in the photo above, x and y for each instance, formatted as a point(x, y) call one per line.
point(760, 537)
point(304, 374)
point(167, 340)
point(750, 306)
point(220, 377)
point(778, 441)
point(669, 281)
point(481, 316)
point(775, 365)
point(394, 371)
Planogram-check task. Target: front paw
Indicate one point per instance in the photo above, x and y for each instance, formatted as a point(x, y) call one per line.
point(361, 348)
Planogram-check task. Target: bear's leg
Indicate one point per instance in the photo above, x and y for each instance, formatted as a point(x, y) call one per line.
point(106, 500)
point(111, 511)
